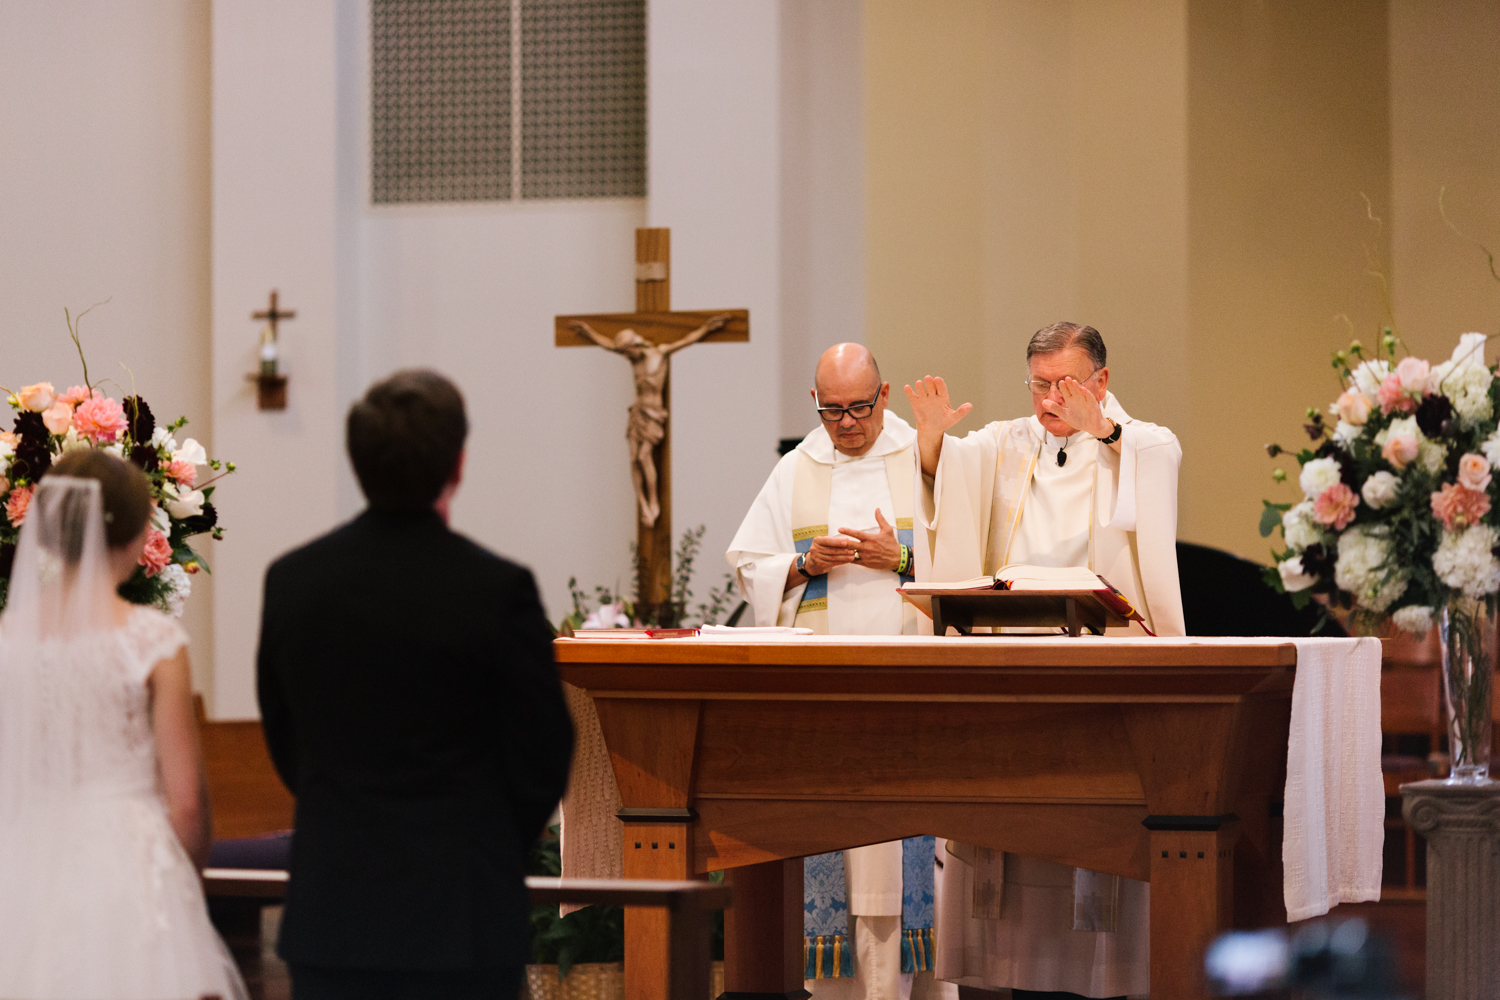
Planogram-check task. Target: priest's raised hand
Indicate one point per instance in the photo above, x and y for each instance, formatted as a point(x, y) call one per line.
point(934, 415)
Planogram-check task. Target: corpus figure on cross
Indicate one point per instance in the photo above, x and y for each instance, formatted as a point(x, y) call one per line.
point(648, 414)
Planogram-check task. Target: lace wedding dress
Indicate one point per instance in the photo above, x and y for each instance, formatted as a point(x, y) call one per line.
point(98, 899)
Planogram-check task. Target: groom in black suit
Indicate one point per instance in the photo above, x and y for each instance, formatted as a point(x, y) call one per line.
point(411, 705)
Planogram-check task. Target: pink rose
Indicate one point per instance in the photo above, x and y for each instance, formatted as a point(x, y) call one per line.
point(157, 554)
point(1399, 448)
point(184, 472)
point(100, 419)
point(1393, 397)
point(1335, 506)
point(1412, 374)
point(78, 394)
point(1353, 407)
point(16, 504)
point(57, 417)
point(36, 398)
point(1474, 472)
point(1458, 506)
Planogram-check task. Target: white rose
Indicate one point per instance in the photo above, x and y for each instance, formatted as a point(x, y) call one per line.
point(1293, 577)
point(1298, 527)
point(160, 521)
point(161, 436)
point(191, 452)
point(1380, 489)
point(1318, 475)
point(1416, 619)
point(183, 503)
point(117, 449)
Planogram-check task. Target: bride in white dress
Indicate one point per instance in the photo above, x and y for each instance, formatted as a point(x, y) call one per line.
point(104, 817)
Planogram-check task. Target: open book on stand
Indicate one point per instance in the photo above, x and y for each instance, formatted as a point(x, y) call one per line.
point(1071, 597)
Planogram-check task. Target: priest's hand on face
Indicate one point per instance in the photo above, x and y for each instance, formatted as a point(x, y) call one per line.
point(934, 414)
point(877, 549)
point(1079, 408)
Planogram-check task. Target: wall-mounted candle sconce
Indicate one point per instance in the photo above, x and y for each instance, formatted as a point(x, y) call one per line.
point(270, 384)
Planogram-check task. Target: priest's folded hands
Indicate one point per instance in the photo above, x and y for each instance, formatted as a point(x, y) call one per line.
point(876, 549)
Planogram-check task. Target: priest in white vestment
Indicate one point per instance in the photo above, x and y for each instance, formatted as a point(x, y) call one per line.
point(824, 546)
point(1077, 483)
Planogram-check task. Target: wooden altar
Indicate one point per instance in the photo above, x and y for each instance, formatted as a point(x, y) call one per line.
point(1157, 759)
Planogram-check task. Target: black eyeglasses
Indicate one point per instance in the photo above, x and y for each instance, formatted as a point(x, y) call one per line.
point(834, 414)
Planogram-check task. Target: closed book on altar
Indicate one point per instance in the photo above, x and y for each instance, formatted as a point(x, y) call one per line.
point(634, 633)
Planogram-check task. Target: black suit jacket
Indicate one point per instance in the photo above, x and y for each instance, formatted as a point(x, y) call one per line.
point(411, 705)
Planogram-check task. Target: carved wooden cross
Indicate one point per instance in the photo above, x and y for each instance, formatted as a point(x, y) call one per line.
point(656, 326)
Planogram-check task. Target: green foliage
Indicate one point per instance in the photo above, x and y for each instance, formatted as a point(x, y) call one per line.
point(592, 934)
point(1270, 518)
point(674, 612)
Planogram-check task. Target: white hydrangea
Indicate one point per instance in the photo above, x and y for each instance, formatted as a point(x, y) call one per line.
point(1369, 375)
point(1380, 489)
point(1346, 432)
point(182, 586)
point(1465, 561)
point(1491, 449)
point(1361, 569)
point(1298, 527)
point(1318, 475)
point(1432, 456)
point(1416, 619)
point(1465, 380)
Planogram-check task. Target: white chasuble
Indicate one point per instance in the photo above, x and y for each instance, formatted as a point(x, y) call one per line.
point(1001, 498)
point(815, 490)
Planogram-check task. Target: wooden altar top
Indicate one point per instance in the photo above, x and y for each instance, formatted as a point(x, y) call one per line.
point(931, 667)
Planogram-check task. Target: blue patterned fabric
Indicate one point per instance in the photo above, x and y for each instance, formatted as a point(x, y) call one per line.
point(825, 919)
point(817, 588)
point(905, 537)
point(916, 903)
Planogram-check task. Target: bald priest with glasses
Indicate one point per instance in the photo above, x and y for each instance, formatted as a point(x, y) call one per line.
point(1079, 483)
point(825, 546)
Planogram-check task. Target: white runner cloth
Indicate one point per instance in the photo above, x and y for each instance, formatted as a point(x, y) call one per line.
point(1335, 797)
point(1334, 835)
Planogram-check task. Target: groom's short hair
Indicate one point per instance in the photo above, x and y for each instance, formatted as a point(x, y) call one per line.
point(405, 437)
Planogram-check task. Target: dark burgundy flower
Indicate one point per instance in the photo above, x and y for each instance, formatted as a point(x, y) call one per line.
point(30, 425)
point(145, 456)
point(140, 421)
point(1435, 415)
point(33, 456)
point(1318, 560)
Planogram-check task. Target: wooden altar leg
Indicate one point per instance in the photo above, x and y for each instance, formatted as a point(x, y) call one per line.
point(659, 851)
point(1192, 901)
point(763, 933)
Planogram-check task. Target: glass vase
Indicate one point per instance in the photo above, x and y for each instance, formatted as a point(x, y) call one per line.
point(1467, 631)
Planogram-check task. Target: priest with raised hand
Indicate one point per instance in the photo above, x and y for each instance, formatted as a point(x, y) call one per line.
point(1077, 483)
point(825, 546)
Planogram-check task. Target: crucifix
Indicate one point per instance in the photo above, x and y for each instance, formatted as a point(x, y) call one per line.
point(648, 338)
point(271, 384)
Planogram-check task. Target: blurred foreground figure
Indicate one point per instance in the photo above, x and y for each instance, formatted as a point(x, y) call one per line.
point(411, 704)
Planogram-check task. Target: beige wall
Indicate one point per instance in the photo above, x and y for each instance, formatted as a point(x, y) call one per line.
point(104, 194)
point(1183, 174)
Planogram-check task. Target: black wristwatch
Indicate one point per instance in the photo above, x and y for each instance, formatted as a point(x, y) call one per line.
point(1119, 429)
point(801, 565)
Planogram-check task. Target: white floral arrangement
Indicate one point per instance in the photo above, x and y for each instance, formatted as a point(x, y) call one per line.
point(1398, 515)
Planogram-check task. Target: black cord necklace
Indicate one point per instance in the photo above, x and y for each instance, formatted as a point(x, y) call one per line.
point(1062, 452)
